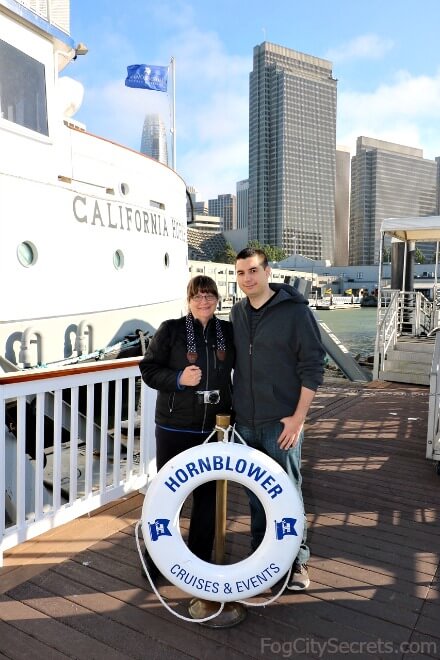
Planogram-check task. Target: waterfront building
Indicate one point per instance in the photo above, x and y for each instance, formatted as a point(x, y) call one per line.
point(224, 206)
point(205, 244)
point(342, 205)
point(154, 138)
point(211, 223)
point(387, 181)
point(292, 151)
point(242, 204)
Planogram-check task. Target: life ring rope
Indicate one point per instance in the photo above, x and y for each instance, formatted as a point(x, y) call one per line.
point(263, 603)
point(153, 586)
point(270, 600)
point(225, 432)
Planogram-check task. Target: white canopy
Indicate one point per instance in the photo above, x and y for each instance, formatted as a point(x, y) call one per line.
point(413, 229)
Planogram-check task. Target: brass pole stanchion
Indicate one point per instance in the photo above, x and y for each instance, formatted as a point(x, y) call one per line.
point(232, 613)
point(223, 422)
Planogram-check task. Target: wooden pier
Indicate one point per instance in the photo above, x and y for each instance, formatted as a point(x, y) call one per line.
point(373, 505)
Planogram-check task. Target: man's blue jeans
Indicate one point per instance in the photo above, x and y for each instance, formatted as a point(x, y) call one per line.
point(265, 439)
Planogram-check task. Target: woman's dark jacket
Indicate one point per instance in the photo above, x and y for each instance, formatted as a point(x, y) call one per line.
point(179, 407)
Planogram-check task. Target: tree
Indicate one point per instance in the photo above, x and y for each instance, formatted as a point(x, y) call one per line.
point(272, 252)
point(386, 255)
point(419, 257)
point(225, 256)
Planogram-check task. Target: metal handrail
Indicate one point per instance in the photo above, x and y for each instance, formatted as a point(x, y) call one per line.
point(387, 330)
point(433, 430)
point(406, 312)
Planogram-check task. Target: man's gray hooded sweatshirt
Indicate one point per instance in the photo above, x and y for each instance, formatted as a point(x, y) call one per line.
point(282, 353)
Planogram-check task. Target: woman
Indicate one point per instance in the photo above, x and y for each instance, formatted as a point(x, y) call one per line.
point(189, 361)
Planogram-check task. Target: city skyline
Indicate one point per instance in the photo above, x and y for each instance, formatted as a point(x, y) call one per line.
point(383, 55)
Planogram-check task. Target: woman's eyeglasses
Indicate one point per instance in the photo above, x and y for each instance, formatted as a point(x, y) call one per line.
point(204, 296)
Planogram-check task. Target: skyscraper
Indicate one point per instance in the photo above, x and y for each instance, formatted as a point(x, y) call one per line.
point(342, 205)
point(154, 139)
point(224, 206)
point(242, 203)
point(387, 181)
point(292, 151)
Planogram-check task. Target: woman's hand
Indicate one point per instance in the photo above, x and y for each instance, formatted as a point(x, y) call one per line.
point(190, 376)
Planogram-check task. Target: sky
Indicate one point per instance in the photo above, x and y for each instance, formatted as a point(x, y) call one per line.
point(384, 54)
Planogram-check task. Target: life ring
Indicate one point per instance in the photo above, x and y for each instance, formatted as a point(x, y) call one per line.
point(249, 467)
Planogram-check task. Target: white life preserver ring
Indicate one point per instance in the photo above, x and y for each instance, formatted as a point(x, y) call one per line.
point(249, 467)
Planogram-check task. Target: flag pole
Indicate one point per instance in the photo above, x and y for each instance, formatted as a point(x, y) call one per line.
point(173, 116)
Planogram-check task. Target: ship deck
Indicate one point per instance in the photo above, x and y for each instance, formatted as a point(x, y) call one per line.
point(373, 504)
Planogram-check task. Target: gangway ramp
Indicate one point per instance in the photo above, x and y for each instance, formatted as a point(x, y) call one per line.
point(341, 355)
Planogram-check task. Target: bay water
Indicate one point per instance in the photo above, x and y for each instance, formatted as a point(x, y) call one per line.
point(355, 327)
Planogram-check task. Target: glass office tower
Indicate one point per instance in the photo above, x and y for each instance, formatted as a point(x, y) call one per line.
point(292, 151)
point(225, 206)
point(154, 139)
point(387, 181)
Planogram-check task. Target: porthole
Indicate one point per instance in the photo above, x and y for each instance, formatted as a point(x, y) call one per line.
point(166, 260)
point(27, 254)
point(124, 188)
point(118, 259)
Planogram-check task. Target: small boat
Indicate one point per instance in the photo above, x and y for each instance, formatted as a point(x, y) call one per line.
point(368, 300)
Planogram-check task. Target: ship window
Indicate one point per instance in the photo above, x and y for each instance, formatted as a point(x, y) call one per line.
point(124, 188)
point(23, 89)
point(27, 254)
point(166, 260)
point(118, 259)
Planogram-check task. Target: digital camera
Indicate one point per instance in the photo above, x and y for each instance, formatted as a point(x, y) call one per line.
point(209, 396)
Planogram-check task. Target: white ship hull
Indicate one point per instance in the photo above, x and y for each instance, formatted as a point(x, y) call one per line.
point(93, 235)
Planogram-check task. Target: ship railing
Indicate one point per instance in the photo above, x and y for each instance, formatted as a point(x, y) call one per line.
point(53, 11)
point(433, 431)
point(71, 441)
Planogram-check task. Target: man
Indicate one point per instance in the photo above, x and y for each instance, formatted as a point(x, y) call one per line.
point(279, 366)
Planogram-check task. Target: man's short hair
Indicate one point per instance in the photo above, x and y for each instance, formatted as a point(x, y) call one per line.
point(253, 252)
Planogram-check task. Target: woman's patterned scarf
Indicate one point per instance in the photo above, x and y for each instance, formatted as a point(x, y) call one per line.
point(191, 340)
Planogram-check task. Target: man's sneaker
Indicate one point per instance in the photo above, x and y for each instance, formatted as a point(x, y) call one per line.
point(299, 577)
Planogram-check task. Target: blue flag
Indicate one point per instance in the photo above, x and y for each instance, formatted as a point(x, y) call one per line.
point(147, 76)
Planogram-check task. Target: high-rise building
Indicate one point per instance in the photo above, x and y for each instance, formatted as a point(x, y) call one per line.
point(242, 204)
point(387, 181)
point(292, 151)
point(154, 139)
point(342, 205)
point(224, 206)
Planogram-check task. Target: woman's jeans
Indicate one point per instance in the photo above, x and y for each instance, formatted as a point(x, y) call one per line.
point(265, 440)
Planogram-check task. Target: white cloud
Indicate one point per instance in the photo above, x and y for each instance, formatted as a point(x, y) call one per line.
point(402, 112)
point(212, 88)
point(216, 169)
point(367, 46)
